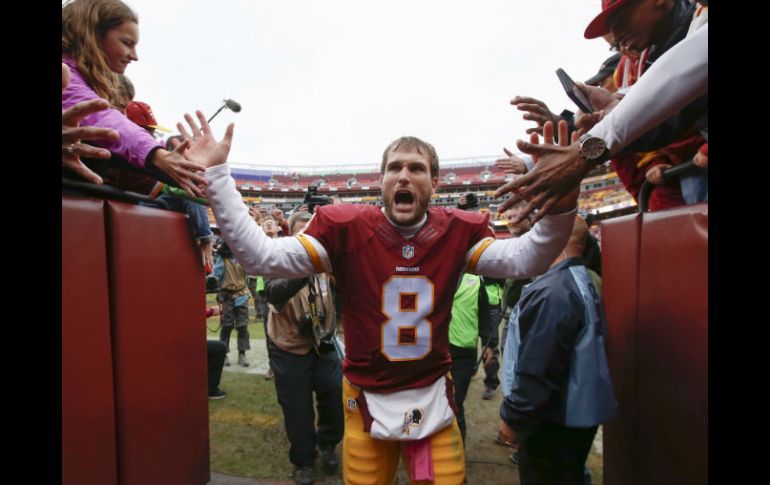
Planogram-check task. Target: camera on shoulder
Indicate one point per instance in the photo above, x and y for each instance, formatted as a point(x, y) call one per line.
point(312, 199)
point(212, 283)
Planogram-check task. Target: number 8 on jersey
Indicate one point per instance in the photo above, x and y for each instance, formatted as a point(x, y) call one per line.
point(407, 301)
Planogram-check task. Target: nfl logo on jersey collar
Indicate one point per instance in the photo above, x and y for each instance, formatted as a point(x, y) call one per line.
point(407, 251)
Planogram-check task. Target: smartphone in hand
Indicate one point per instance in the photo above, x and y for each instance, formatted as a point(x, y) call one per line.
point(574, 93)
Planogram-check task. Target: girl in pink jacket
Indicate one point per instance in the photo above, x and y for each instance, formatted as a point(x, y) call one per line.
point(99, 39)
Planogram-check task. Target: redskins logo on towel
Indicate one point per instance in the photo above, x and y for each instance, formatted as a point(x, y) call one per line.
point(412, 419)
point(351, 403)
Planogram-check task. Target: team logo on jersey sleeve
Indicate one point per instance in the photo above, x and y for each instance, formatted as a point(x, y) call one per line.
point(407, 251)
point(412, 419)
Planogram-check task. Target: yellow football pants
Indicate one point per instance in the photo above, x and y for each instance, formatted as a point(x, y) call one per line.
point(368, 461)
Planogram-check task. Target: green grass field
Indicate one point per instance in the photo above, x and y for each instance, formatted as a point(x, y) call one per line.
point(247, 436)
point(246, 429)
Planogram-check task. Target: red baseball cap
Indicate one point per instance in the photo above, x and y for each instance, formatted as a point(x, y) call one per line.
point(141, 114)
point(598, 26)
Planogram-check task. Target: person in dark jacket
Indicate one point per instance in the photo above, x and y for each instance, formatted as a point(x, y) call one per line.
point(555, 373)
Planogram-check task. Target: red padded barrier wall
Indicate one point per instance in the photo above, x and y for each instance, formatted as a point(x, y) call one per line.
point(655, 283)
point(673, 343)
point(88, 406)
point(158, 303)
point(620, 272)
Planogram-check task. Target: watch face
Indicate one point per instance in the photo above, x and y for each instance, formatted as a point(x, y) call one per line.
point(593, 147)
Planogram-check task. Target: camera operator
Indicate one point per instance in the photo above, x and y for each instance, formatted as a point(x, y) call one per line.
point(233, 299)
point(301, 370)
point(468, 202)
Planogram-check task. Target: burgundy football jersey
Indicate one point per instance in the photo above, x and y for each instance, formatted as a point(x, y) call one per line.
point(396, 293)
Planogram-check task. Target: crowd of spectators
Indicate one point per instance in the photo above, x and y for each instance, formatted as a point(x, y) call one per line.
point(553, 324)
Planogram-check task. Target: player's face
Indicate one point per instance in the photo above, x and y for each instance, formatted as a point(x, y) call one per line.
point(407, 186)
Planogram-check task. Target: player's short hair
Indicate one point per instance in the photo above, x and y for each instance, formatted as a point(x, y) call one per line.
point(422, 147)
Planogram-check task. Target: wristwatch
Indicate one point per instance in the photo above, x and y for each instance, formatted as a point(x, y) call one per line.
point(593, 149)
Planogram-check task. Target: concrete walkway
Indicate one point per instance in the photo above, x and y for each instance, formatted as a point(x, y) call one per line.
point(222, 479)
point(257, 357)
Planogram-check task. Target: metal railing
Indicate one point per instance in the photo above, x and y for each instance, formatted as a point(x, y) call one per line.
point(646, 191)
point(104, 191)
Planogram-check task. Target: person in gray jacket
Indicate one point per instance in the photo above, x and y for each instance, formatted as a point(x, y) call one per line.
point(555, 376)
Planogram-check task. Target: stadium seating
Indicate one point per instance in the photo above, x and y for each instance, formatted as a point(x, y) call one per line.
point(602, 192)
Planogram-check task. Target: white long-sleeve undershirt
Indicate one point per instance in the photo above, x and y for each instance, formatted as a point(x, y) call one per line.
point(283, 257)
point(529, 255)
point(677, 78)
point(286, 257)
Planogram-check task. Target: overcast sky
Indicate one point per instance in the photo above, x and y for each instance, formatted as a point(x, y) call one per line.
point(333, 82)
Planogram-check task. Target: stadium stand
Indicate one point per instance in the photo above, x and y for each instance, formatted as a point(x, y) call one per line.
point(602, 193)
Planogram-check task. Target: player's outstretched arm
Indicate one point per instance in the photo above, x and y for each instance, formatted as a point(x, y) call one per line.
point(533, 253)
point(284, 257)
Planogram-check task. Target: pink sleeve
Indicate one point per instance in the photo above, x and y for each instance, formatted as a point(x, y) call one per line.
point(135, 142)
